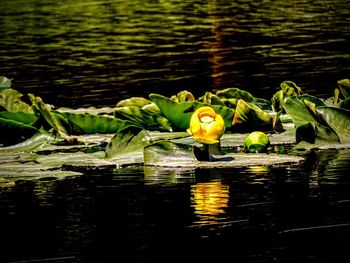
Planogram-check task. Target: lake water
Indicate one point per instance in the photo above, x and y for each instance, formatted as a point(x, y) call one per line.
point(94, 53)
point(85, 53)
point(148, 214)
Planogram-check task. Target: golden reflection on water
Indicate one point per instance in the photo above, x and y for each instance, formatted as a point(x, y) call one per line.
point(209, 200)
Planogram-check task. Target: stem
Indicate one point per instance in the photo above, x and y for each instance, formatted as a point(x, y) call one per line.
point(210, 149)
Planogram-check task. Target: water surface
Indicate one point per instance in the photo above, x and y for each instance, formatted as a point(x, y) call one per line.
point(149, 214)
point(85, 53)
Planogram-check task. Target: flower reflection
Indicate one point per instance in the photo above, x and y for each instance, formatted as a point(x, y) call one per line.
point(209, 201)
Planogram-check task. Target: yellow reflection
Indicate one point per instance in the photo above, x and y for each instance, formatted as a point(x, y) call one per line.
point(209, 201)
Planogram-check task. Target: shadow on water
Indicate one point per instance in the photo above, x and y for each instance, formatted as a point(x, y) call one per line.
point(150, 214)
point(94, 53)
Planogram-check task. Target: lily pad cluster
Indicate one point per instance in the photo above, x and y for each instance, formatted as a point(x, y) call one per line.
point(22, 117)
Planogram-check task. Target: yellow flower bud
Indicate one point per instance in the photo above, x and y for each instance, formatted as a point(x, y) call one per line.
point(206, 126)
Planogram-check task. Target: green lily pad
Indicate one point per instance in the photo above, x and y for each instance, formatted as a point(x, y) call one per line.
point(329, 123)
point(179, 114)
point(34, 143)
point(248, 116)
point(19, 116)
point(163, 152)
point(10, 100)
point(338, 119)
point(344, 86)
point(234, 94)
point(52, 119)
point(288, 89)
point(92, 124)
point(127, 142)
point(134, 101)
point(5, 83)
point(12, 132)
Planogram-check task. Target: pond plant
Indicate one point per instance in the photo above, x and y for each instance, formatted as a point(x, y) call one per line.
point(161, 130)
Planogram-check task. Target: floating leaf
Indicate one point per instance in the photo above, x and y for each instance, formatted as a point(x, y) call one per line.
point(10, 99)
point(12, 132)
point(134, 101)
point(49, 117)
point(179, 114)
point(166, 152)
point(248, 116)
point(298, 111)
point(345, 104)
point(212, 99)
point(338, 119)
point(344, 86)
point(151, 108)
point(143, 118)
point(5, 83)
point(306, 116)
point(288, 89)
point(127, 142)
point(91, 124)
point(31, 144)
point(183, 96)
point(231, 96)
point(19, 116)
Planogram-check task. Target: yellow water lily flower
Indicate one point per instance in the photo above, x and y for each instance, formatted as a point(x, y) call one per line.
point(206, 126)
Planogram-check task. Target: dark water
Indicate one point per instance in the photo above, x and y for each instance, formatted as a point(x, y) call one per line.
point(94, 53)
point(83, 53)
point(258, 214)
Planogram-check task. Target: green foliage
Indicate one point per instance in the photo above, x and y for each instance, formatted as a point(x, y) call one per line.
point(288, 89)
point(44, 110)
point(313, 121)
point(178, 113)
point(23, 117)
point(10, 100)
point(92, 124)
point(5, 83)
point(129, 141)
point(314, 118)
point(13, 131)
point(256, 141)
point(249, 116)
